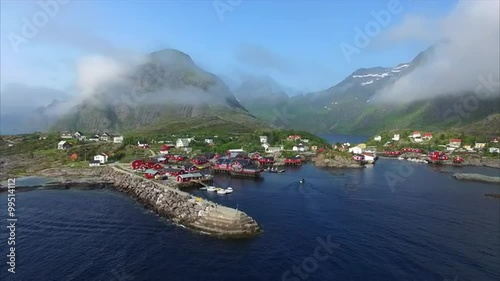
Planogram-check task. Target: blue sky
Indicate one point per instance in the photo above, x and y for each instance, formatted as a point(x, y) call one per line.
point(296, 42)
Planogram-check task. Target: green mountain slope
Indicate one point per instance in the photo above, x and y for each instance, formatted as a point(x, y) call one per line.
point(351, 107)
point(168, 92)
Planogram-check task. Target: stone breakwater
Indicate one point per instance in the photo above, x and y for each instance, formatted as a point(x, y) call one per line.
point(476, 177)
point(182, 208)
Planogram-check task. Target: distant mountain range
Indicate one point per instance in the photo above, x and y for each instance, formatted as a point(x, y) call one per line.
point(351, 106)
point(169, 92)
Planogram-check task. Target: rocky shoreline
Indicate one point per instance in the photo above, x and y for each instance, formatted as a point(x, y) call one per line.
point(166, 200)
point(337, 161)
point(468, 161)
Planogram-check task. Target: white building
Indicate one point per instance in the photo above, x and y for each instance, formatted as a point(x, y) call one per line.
point(118, 139)
point(300, 148)
point(263, 139)
point(181, 143)
point(377, 138)
point(396, 137)
point(479, 145)
point(142, 144)
point(274, 149)
point(494, 150)
point(94, 138)
point(66, 135)
point(104, 137)
point(209, 141)
point(102, 158)
point(63, 145)
point(94, 163)
point(356, 150)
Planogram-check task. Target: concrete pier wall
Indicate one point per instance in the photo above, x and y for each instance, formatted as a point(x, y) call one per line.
point(183, 208)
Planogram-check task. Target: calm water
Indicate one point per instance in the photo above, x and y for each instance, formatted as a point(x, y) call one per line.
point(425, 227)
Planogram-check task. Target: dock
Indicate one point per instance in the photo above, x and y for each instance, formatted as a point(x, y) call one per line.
point(182, 208)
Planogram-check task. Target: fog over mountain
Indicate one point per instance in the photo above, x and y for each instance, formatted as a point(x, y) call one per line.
point(468, 57)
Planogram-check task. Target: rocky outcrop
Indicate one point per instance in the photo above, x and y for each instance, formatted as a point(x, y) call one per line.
point(183, 208)
point(335, 161)
point(476, 177)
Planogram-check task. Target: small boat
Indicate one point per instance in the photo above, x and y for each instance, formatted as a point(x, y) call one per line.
point(302, 181)
point(211, 188)
point(229, 190)
point(221, 191)
point(280, 171)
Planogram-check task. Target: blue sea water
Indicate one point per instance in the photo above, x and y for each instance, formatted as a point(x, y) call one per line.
point(426, 226)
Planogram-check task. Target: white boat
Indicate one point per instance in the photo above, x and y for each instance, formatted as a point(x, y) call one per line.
point(211, 188)
point(221, 191)
point(229, 190)
point(400, 158)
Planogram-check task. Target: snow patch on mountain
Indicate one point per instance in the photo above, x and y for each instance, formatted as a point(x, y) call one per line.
point(387, 72)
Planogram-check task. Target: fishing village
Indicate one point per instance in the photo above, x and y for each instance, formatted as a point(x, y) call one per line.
point(161, 174)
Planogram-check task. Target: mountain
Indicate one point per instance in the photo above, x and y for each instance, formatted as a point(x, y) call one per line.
point(352, 106)
point(168, 92)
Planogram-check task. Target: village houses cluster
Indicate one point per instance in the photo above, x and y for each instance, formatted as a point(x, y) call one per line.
point(300, 147)
point(99, 159)
point(453, 144)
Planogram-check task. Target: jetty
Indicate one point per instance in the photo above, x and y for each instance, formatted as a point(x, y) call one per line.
point(183, 208)
point(476, 177)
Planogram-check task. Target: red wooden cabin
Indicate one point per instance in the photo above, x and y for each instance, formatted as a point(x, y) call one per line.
point(266, 160)
point(200, 161)
point(137, 164)
point(293, 161)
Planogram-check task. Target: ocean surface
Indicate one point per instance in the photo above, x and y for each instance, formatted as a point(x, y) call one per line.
point(395, 220)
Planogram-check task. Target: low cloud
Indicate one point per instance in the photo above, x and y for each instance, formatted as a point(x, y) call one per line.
point(470, 51)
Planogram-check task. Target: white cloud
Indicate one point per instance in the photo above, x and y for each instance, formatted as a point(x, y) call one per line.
point(471, 32)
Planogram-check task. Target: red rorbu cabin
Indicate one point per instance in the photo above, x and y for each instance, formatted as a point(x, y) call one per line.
point(266, 160)
point(200, 161)
point(137, 164)
point(150, 173)
point(189, 177)
point(392, 153)
point(458, 160)
point(293, 161)
point(173, 172)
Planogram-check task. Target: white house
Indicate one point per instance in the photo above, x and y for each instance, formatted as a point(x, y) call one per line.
point(94, 163)
point(300, 147)
point(456, 143)
point(104, 137)
point(209, 141)
point(142, 144)
point(396, 137)
point(356, 150)
point(94, 138)
point(274, 149)
point(118, 139)
point(263, 139)
point(494, 150)
point(63, 145)
point(377, 138)
point(102, 158)
point(78, 135)
point(181, 143)
point(415, 135)
point(66, 135)
point(479, 145)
